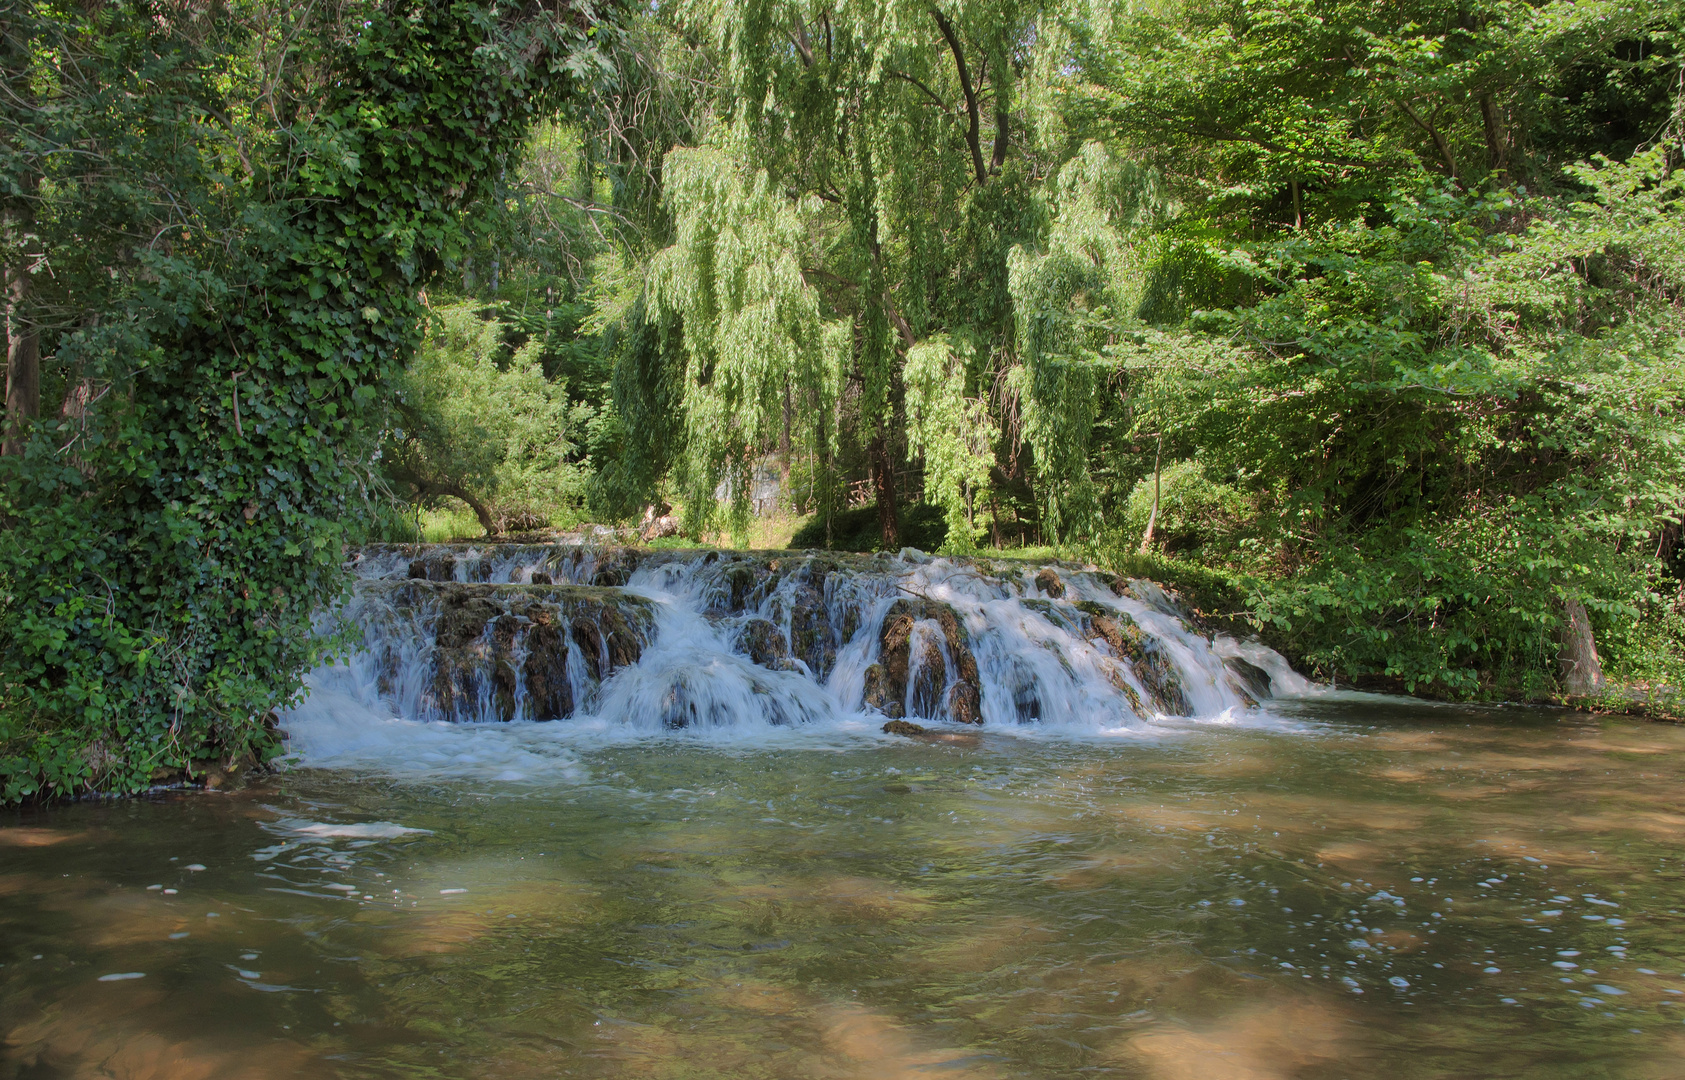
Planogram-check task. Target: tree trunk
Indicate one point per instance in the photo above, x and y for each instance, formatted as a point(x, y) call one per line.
point(888, 523)
point(456, 491)
point(23, 366)
point(1582, 672)
point(1152, 518)
point(784, 443)
point(480, 511)
point(1497, 141)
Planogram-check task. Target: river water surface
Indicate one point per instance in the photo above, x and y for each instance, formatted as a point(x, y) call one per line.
point(1342, 887)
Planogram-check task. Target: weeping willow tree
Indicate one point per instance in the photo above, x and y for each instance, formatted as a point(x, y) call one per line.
point(954, 433)
point(729, 293)
point(1072, 296)
point(840, 241)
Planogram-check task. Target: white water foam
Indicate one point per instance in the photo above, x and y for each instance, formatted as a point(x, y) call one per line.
point(1043, 672)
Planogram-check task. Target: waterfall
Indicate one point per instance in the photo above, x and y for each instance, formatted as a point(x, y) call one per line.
point(645, 642)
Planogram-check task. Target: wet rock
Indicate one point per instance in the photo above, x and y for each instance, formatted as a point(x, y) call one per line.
point(879, 694)
point(965, 704)
point(904, 727)
point(739, 580)
point(503, 685)
point(434, 568)
point(818, 569)
point(624, 640)
point(1026, 701)
point(739, 585)
point(1248, 678)
point(927, 680)
point(848, 624)
point(678, 710)
point(589, 638)
point(455, 684)
point(1145, 654)
point(1049, 584)
point(763, 643)
point(462, 619)
point(895, 646)
point(1114, 675)
point(811, 638)
point(1164, 684)
point(539, 577)
point(549, 693)
point(895, 642)
point(615, 567)
point(492, 641)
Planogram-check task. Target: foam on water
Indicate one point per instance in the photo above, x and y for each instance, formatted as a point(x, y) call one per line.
point(1042, 669)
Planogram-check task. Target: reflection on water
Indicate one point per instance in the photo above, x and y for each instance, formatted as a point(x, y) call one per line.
point(1394, 890)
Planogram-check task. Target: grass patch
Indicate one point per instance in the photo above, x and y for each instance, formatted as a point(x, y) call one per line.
point(449, 524)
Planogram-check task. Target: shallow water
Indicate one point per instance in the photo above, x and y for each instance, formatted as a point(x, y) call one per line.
point(1369, 889)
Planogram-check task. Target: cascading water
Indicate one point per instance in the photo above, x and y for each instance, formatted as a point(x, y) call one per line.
point(628, 642)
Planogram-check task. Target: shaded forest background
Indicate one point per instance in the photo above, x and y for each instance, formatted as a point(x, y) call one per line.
point(1358, 321)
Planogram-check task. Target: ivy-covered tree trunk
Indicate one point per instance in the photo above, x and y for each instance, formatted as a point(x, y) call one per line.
point(23, 362)
point(161, 593)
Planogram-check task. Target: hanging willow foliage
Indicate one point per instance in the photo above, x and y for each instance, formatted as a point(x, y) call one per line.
point(857, 195)
point(752, 338)
point(952, 429)
point(1070, 299)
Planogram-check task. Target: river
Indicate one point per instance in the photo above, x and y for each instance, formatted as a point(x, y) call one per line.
point(1322, 885)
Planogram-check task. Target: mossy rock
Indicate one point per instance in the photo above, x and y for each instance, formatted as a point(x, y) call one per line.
point(878, 694)
point(763, 643)
point(895, 657)
point(492, 641)
point(812, 641)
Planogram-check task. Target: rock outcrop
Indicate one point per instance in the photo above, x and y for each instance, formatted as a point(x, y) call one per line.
point(939, 680)
point(532, 630)
point(507, 652)
point(1153, 667)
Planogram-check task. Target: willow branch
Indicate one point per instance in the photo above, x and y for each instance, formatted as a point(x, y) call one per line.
point(972, 133)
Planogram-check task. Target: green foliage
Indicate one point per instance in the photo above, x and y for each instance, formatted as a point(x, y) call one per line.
point(1212, 593)
point(481, 422)
point(1193, 510)
point(752, 336)
point(924, 527)
point(172, 532)
point(1458, 426)
point(1471, 606)
point(954, 434)
point(833, 215)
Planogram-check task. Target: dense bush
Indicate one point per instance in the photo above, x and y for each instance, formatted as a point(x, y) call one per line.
point(477, 420)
